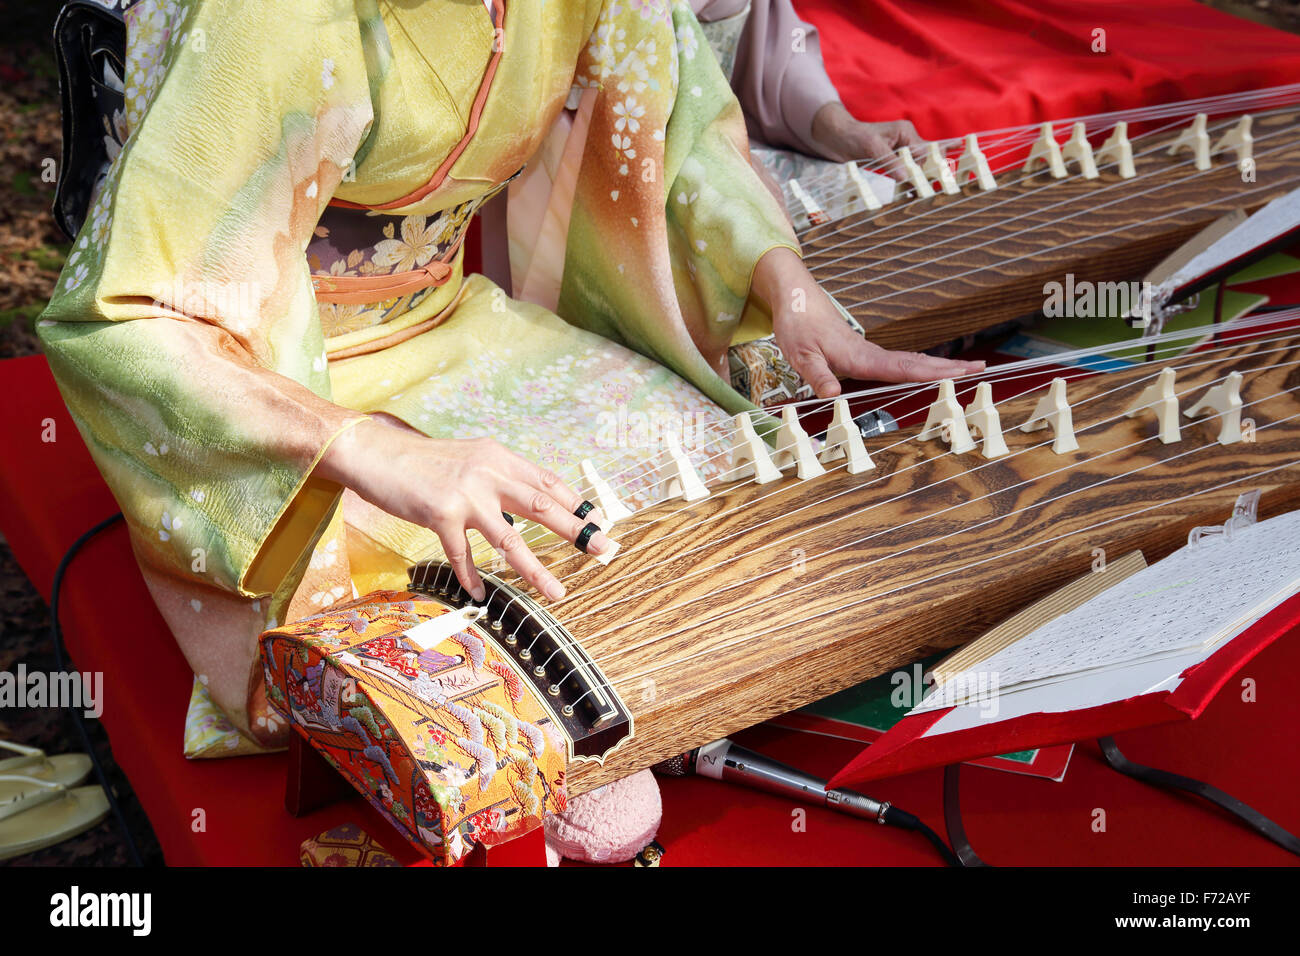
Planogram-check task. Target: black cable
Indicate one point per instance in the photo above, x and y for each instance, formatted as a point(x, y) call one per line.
point(60, 663)
point(895, 817)
point(790, 782)
point(952, 818)
point(1225, 801)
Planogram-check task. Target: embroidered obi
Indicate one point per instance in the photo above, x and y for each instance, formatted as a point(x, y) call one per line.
point(370, 267)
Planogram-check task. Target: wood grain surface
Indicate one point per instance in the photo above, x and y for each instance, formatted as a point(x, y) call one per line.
point(761, 599)
point(923, 273)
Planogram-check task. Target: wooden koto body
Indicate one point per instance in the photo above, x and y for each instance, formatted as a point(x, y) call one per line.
point(709, 621)
point(919, 274)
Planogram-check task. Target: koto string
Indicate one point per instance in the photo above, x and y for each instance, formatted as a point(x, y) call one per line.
point(964, 385)
point(996, 374)
point(1062, 245)
point(1200, 355)
point(1061, 129)
point(1089, 209)
point(861, 511)
point(1274, 96)
point(1199, 361)
point(714, 542)
point(1220, 103)
point(932, 208)
point(830, 229)
point(974, 564)
point(965, 567)
point(1010, 139)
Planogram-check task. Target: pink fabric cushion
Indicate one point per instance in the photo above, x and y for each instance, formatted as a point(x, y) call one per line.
point(608, 825)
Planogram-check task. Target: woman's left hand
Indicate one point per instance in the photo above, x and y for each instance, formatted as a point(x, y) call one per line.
point(844, 138)
point(821, 346)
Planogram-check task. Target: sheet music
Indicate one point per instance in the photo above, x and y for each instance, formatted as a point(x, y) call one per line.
point(1195, 598)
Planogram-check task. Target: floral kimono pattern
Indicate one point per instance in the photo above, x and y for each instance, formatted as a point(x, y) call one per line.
point(276, 254)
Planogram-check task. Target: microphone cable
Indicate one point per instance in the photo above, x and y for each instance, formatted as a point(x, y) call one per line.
point(724, 760)
point(60, 664)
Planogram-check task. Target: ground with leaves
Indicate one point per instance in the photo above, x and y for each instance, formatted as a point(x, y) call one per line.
point(32, 247)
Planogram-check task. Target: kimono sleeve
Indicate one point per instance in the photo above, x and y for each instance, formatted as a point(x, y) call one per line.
point(669, 218)
point(721, 218)
point(183, 331)
point(780, 78)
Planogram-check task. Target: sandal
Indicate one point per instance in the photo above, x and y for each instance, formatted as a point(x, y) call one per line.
point(45, 813)
point(66, 769)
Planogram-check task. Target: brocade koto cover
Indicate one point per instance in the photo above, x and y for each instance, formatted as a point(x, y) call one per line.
point(449, 744)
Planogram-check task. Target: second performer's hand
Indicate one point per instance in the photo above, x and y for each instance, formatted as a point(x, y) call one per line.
point(842, 137)
point(452, 486)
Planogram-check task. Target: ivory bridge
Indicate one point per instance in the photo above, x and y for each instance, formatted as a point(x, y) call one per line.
point(921, 273)
point(760, 598)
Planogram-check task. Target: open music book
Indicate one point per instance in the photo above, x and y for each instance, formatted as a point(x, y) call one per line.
point(1136, 636)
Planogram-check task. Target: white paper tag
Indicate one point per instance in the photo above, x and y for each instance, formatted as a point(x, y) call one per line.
point(429, 634)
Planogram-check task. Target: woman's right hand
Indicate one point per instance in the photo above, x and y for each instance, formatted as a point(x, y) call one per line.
point(450, 486)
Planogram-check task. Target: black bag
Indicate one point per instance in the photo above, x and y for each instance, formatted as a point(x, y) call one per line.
point(90, 46)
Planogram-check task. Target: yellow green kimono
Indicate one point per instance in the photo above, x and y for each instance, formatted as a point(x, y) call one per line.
point(276, 253)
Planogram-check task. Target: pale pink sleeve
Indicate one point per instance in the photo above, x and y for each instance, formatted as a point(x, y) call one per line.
point(780, 89)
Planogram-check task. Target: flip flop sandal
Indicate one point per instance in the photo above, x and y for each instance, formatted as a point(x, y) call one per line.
point(46, 814)
point(67, 769)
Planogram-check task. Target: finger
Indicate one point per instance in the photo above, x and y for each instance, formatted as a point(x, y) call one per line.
point(917, 367)
point(456, 547)
point(905, 134)
point(542, 479)
point(545, 510)
point(510, 545)
point(879, 150)
point(812, 365)
point(550, 484)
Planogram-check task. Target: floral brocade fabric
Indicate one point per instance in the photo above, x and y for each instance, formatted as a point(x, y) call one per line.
point(448, 743)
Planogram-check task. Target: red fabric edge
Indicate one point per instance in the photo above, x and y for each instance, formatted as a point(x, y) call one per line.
point(1201, 682)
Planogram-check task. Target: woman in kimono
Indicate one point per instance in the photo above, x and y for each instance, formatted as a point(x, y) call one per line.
point(265, 335)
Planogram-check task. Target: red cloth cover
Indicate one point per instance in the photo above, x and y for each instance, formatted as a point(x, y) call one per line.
point(956, 67)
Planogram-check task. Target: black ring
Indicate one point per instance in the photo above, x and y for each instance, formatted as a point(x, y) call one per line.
point(584, 536)
point(584, 509)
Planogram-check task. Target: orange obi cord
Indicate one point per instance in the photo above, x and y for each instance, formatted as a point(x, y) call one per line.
point(362, 290)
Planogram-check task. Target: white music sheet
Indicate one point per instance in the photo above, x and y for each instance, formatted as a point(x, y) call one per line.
point(1192, 600)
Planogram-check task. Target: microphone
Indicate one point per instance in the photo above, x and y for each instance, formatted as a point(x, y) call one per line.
point(725, 760)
